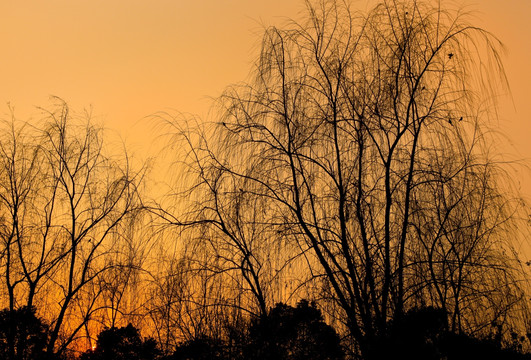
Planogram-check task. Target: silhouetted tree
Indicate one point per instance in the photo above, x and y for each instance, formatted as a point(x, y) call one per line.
point(463, 347)
point(229, 225)
point(23, 336)
point(419, 334)
point(201, 348)
point(423, 334)
point(284, 332)
point(123, 343)
point(292, 333)
point(64, 205)
point(185, 302)
point(363, 139)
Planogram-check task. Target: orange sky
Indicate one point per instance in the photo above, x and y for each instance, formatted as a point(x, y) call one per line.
point(131, 58)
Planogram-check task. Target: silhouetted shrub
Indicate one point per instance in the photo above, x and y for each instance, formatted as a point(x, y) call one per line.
point(202, 348)
point(293, 333)
point(22, 335)
point(416, 335)
point(423, 334)
point(464, 347)
point(124, 343)
point(285, 333)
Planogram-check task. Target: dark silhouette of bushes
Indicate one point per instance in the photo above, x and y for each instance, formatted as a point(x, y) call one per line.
point(294, 333)
point(300, 333)
point(417, 335)
point(285, 332)
point(22, 335)
point(463, 347)
point(202, 348)
point(423, 334)
point(123, 343)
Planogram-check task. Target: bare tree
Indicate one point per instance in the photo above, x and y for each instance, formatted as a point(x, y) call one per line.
point(229, 232)
point(20, 165)
point(365, 139)
point(186, 301)
point(97, 196)
point(64, 202)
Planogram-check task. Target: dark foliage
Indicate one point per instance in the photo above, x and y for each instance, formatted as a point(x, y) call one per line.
point(123, 343)
point(293, 333)
point(202, 348)
point(463, 347)
point(423, 334)
point(22, 335)
point(284, 333)
point(417, 335)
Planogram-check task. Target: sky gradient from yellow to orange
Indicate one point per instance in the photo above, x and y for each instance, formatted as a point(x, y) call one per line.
point(131, 58)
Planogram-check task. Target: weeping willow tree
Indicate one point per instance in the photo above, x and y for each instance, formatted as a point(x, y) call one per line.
point(365, 140)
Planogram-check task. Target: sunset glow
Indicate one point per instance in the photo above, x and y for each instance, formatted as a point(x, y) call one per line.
point(131, 59)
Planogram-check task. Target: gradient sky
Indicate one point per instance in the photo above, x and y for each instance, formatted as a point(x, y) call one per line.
point(131, 58)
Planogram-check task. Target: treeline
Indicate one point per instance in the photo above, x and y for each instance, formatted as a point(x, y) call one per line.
point(294, 333)
point(355, 169)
